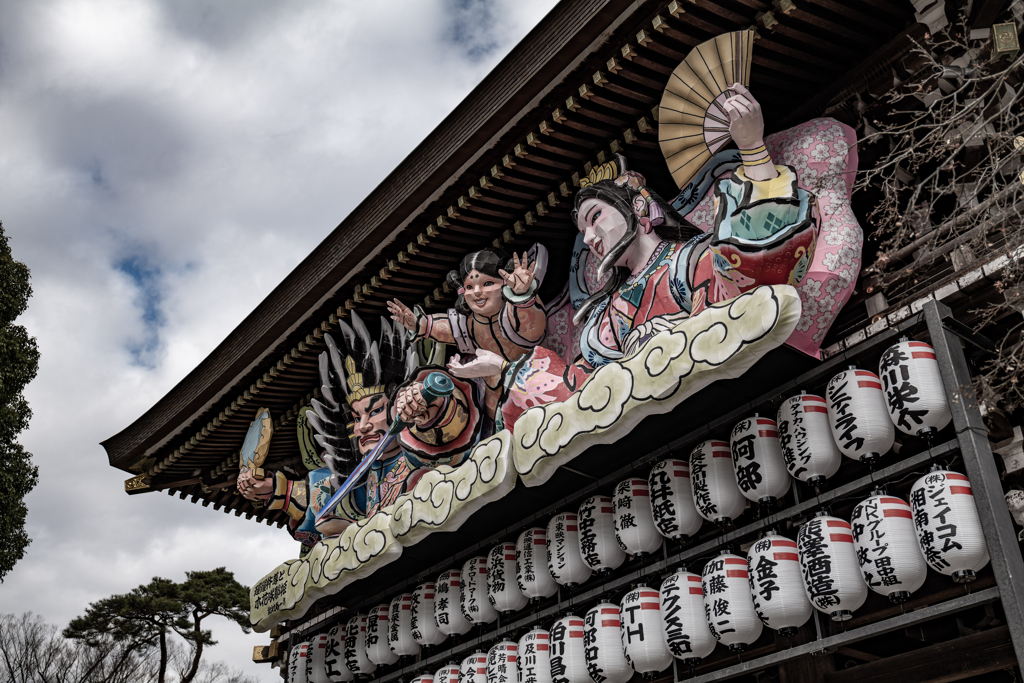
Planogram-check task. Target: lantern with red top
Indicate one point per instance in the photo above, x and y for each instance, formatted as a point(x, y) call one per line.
point(423, 678)
point(728, 608)
point(501, 663)
point(886, 543)
point(476, 606)
point(449, 673)
point(421, 616)
point(400, 638)
point(643, 634)
point(757, 461)
point(859, 416)
point(334, 657)
point(682, 615)
point(448, 604)
point(634, 522)
point(776, 584)
point(675, 515)
point(715, 494)
point(535, 657)
point(297, 663)
point(377, 648)
point(605, 660)
point(947, 523)
point(598, 545)
point(474, 668)
point(828, 561)
point(564, 559)
point(568, 657)
point(355, 646)
point(808, 449)
point(502, 590)
point(913, 388)
point(532, 573)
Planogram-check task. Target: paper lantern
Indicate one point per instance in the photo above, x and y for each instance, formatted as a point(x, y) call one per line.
point(334, 658)
point(859, 415)
point(400, 638)
point(316, 672)
point(598, 545)
point(564, 559)
point(568, 659)
point(728, 607)
point(948, 528)
point(675, 515)
point(355, 646)
point(502, 590)
point(715, 493)
point(474, 669)
point(377, 648)
point(757, 460)
point(603, 648)
point(449, 673)
point(476, 607)
point(777, 585)
point(808, 449)
point(643, 633)
point(830, 569)
point(535, 657)
point(421, 616)
point(448, 604)
point(886, 543)
point(297, 663)
point(501, 663)
point(634, 521)
point(682, 616)
point(532, 573)
point(426, 678)
point(913, 388)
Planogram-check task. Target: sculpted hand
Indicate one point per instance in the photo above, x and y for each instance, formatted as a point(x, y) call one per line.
point(402, 314)
point(521, 277)
point(484, 364)
point(411, 408)
point(746, 124)
point(252, 488)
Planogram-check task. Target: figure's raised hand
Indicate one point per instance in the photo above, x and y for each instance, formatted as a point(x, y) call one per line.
point(402, 314)
point(483, 364)
point(252, 488)
point(411, 408)
point(746, 123)
point(521, 277)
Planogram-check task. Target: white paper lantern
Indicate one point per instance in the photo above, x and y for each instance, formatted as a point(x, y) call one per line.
point(830, 568)
point(859, 416)
point(564, 559)
point(808, 449)
point(605, 661)
point(421, 617)
point(634, 521)
point(474, 669)
point(728, 607)
point(643, 633)
point(886, 542)
point(568, 659)
point(426, 678)
point(475, 604)
point(715, 493)
point(377, 648)
point(334, 658)
point(502, 590)
point(535, 657)
point(400, 638)
point(449, 673)
point(682, 616)
point(297, 663)
point(777, 585)
point(598, 545)
point(355, 646)
point(675, 515)
point(948, 528)
point(501, 663)
point(316, 672)
point(913, 388)
point(532, 573)
point(757, 460)
point(448, 604)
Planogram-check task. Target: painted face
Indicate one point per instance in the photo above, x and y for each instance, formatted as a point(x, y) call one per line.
point(483, 293)
point(370, 415)
point(602, 226)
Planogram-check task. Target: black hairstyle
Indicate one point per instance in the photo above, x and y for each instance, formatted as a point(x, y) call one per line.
point(487, 261)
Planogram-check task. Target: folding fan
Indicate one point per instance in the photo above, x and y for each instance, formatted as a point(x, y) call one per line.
point(692, 126)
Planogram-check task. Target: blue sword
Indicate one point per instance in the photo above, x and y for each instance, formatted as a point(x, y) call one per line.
point(436, 385)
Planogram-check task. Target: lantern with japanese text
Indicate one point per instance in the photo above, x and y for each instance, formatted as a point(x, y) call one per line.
point(425, 678)
point(377, 648)
point(757, 460)
point(828, 561)
point(808, 449)
point(776, 584)
point(634, 522)
point(605, 661)
point(502, 590)
point(474, 669)
point(449, 673)
point(297, 663)
point(675, 515)
point(885, 539)
point(948, 528)
point(642, 633)
point(474, 601)
point(564, 559)
point(728, 607)
point(532, 573)
point(715, 493)
point(400, 638)
point(355, 646)
point(598, 545)
point(421, 616)
point(568, 657)
point(448, 604)
point(913, 388)
point(682, 615)
point(317, 652)
point(501, 663)
point(859, 416)
point(535, 657)
point(334, 657)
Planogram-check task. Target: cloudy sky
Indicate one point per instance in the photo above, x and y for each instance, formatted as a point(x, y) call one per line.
point(163, 165)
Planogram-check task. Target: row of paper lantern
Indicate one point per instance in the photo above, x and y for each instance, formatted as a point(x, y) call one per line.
point(886, 547)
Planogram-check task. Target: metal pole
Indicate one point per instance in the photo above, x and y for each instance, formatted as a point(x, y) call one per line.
point(1007, 563)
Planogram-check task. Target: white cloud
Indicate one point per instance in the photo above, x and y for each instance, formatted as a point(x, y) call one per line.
point(165, 165)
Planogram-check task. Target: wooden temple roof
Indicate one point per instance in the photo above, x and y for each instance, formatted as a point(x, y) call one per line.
point(500, 169)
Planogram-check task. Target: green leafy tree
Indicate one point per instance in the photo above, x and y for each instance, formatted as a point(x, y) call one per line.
point(19, 361)
point(146, 618)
